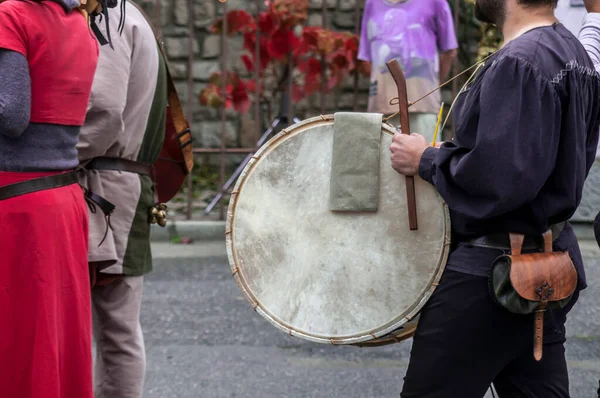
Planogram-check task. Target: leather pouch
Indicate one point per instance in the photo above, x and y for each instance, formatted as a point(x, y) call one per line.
point(533, 282)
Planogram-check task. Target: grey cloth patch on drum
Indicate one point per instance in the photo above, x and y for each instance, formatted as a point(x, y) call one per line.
point(354, 182)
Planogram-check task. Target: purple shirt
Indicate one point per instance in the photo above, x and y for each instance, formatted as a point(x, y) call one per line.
point(413, 32)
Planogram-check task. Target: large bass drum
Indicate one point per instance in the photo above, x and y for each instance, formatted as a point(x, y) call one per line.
point(331, 277)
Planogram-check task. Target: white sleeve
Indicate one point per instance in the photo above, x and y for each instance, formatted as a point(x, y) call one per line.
point(589, 36)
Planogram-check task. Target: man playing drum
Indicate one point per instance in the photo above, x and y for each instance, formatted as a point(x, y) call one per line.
point(525, 139)
point(590, 38)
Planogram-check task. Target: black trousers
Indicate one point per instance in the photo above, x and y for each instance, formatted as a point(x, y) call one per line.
point(465, 341)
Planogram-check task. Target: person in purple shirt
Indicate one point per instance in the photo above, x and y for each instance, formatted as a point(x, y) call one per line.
point(420, 35)
point(526, 134)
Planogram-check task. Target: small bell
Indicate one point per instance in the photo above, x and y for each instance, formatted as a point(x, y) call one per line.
point(158, 214)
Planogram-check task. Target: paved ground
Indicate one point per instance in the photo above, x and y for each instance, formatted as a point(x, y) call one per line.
point(204, 340)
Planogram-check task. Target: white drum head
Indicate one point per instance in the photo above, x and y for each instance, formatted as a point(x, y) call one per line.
point(330, 277)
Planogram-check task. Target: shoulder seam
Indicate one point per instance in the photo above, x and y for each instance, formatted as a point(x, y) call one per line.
point(529, 64)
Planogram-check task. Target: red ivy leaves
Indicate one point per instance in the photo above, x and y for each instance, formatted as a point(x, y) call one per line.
point(277, 42)
point(238, 21)
point(281, 43)
point(236, 93)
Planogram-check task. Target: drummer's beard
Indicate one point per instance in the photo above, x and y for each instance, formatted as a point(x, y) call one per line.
point(490, 11)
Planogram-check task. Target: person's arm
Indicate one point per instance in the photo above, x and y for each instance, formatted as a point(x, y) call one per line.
point(589, 36)
point(364, 44)
point(446, 59)
point(514, 146)
point(15, 81)
point(446, 37)
point(15, 93)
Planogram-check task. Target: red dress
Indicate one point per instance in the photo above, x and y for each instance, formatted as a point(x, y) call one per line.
point(45, 309)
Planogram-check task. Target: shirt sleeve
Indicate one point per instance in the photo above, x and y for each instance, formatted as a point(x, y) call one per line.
point(12, 32)
point(15, 93)
point(444, 24)
point(513, 150)
point(364, 45)
point(589, 36)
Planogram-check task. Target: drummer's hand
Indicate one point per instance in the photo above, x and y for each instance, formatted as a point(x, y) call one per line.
point(592, 5)
point(406, 152)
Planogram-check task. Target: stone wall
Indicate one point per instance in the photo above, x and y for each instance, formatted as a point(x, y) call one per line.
point(173, 17)
point(240, 131)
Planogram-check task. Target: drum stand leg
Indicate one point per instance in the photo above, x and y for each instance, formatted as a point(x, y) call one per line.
point(285, 115)
point(242, 165)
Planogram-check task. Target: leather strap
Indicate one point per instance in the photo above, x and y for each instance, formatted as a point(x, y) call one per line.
point(548, 241)
point(503, 241)
point(516, 243)
point(538, 335)
point(117, 164)
point(38, 184)
point(177, 116)
point(544, 291)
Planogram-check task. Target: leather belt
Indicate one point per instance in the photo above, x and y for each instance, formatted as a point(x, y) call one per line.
point(38, 184)
point(117, 164)
point(502, 241)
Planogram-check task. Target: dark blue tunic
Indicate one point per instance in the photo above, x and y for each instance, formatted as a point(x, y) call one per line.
point(526, 132)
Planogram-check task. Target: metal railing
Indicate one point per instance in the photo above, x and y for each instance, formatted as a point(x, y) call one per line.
point(286, 111)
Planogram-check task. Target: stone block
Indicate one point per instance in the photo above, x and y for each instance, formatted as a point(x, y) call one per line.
point(235, 49)
point(150, 8)
point(363, 101)
point(211, 46)
point(346, 5)
point(181, 87)
point(345, 20)
point(363, 83)
point(181, 12)
point(231, 161)
point(205, 113)
point(248, 134)
point(205, 13)
point(203, 70)
point(214, 114)
point(318, 4)
point(177, 47)
point(302, 105)
point(207, 134)
point(235, 5)
point(174, 31)
point(346, 101)
point(178, 69)
point(318, 18)
point(315, 19)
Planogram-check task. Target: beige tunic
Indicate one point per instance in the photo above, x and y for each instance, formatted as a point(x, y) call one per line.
point(120, 106)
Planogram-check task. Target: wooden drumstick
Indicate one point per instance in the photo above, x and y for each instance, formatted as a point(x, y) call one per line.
point(396, 71)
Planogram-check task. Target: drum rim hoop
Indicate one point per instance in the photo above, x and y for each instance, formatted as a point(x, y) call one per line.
point(383, 332)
